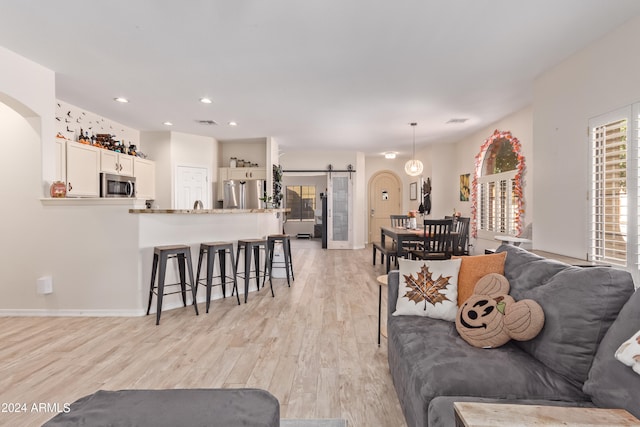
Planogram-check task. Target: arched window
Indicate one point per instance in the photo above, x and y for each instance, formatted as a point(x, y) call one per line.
point(498, 204)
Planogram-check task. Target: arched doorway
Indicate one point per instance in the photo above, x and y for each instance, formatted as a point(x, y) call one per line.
point(385, 198)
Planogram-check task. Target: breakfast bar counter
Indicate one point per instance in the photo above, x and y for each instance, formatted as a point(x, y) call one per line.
point(159, 227)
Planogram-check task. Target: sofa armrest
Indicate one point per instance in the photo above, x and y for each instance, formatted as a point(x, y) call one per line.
point(393, 281)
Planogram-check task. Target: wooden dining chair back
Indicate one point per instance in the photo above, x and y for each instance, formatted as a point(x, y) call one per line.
point(461, 244)
point(437, 240)
point(461, 239)
point(399, 220)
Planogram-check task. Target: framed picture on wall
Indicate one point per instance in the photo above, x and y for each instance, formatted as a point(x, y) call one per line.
point(464, 187)
point(413, 191)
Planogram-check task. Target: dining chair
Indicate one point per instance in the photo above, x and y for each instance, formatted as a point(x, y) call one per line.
point(461, 239)
point(399, 220)
point(436, 240)
point(402, 221)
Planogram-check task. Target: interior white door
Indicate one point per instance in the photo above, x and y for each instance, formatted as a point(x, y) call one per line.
point(339, 211)
point(192, 184)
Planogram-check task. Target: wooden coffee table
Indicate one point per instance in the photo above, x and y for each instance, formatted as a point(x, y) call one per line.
point(473, 414)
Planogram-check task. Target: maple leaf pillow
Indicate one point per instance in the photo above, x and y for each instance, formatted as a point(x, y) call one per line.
point(428, 288)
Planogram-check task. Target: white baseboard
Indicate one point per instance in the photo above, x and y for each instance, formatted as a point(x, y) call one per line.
point(70, 313)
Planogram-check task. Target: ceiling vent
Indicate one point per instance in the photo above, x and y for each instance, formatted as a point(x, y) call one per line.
point(207, 122)
point(457, 121)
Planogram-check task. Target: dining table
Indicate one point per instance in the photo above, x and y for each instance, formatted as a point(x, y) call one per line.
point(404, 237)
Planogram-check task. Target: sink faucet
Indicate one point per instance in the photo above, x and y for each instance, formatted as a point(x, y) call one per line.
point(198, 204)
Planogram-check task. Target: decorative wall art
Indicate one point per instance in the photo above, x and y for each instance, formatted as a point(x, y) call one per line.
point(465, 190)
point(413, 191)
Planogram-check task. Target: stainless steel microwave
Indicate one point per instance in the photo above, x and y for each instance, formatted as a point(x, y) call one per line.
point(117, 185)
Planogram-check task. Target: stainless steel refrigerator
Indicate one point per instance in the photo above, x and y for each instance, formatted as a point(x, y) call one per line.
point(243, 194)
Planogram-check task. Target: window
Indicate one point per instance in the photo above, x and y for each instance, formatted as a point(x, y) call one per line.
point(614, 183)
point(497, 190)
point(301, 199)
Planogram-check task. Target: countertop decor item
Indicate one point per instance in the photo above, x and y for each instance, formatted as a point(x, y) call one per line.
point(58, 189)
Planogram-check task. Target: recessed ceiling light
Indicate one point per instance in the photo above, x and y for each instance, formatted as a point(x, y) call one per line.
point(206, 100)
point(390, 155)
point(233, 124)
point(168, 124)
point(121, 99)
point(457, 120)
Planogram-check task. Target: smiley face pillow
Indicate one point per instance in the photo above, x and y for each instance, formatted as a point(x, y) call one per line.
point(490, 318)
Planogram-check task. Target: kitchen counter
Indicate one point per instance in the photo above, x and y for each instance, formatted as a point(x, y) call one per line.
point(157, 227)
point(207, 211)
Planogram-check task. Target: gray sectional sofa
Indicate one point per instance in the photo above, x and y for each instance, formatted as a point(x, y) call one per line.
point(589, 312)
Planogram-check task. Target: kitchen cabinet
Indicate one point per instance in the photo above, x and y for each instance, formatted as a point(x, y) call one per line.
point(247, 173)
point(116, 163)
point(60, 154)
point(145, 173)
point(83, 170)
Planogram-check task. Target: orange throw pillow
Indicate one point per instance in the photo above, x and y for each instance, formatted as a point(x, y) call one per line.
point(473, 268)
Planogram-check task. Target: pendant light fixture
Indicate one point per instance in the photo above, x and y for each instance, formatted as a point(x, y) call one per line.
point(413, 167)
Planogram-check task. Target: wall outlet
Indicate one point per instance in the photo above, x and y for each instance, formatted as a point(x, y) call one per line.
point(44, 285)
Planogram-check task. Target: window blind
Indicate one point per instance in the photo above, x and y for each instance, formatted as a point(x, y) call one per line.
point(609, 193)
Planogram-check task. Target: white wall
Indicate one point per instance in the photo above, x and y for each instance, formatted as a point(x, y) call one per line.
point(77, 247)
point(194, 151)
point(172, 149)
point(29, 89)
point(157, 145)
point(584, 86)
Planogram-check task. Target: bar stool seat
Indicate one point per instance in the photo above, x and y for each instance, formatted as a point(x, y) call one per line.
point(285, 240)
point(211, 249)
point(249, 247)
point(161, 254)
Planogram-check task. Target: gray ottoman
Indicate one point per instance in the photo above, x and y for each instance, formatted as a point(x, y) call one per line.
point(180, 407)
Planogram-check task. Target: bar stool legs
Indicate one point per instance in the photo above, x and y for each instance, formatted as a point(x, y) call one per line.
point(221, 249)
point(251, 246)
point(161, 254)
point(286, 248)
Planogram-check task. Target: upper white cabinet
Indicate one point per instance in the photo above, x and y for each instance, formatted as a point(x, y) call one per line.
point(145, 173)
point(116, 163)
point(83, 170)
point(246, 173)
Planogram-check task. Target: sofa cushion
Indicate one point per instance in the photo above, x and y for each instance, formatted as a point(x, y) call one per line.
point(428, 288)
point(629, 352)
point(579, 305)
point(526, 270)
point(428, 358)
point(611, 383)
point(474, 268)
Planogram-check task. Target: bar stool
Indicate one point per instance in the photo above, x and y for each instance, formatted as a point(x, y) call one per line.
point(160, 255)
point(251, 246)
point(286, 247)
point(221, 249)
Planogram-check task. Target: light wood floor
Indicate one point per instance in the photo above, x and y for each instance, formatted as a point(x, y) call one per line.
point(314, 346)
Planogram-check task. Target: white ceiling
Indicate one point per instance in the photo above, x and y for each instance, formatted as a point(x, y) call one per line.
point(314, 74)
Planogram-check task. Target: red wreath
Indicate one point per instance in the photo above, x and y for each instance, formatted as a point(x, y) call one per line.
point(516, 147)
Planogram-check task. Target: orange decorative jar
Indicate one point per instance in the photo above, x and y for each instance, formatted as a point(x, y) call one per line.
point(58, 189)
